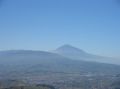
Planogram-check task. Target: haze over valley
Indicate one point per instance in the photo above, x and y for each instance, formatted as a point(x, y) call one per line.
point(65, 67)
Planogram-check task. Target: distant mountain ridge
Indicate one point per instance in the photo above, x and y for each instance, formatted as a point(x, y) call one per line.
point(65, 51)
point(28, 57)
point(78, 54)
point(18, 62)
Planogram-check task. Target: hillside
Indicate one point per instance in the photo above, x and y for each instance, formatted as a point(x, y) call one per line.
point(40, 67)
point(79, 54)
point(35, 61)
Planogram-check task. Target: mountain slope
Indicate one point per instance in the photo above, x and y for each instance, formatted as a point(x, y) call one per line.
point(78, 54)
point(18, 57)
point(25, 61)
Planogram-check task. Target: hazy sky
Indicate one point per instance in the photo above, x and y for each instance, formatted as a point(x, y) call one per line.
point(92, 25)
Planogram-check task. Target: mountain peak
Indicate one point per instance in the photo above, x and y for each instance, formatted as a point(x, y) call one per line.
point(69, 48)
point(66, 46)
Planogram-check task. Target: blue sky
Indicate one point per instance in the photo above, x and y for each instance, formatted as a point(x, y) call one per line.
point(92, 25)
